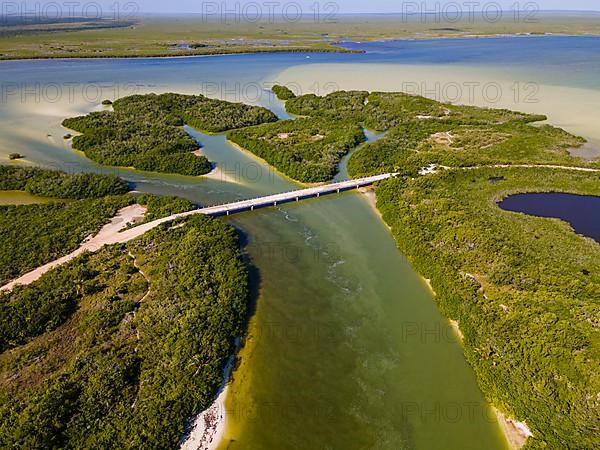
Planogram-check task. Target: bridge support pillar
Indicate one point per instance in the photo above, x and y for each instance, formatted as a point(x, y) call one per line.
point(318, 194)
point(227, 212)
point(338, 190)
point(252, 208)
point(274, 203)
point(297, 199)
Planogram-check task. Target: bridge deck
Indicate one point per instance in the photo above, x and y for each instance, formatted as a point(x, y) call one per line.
point(251, 204)
point(285, 197)
point(219, 210)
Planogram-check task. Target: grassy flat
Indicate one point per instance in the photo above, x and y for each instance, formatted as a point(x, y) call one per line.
point(162, 35)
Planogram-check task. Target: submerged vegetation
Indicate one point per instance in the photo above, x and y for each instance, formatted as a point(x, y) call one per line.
point(120, 348)
point(145, 131)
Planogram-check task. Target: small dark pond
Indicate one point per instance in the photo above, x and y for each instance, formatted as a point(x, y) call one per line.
point(581, 211)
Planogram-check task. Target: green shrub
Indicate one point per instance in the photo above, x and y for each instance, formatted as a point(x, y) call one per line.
point(107, 370)
point(283, 92)
point(145, 131)
point(52, 183)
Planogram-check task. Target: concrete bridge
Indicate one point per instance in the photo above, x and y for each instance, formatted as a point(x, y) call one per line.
point(113, 232)
point(251, 204)
point(292, 196)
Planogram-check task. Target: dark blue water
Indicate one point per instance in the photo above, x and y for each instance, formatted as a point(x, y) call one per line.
point(582, 212)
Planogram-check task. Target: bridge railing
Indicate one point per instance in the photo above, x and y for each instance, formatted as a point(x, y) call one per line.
point(317, 190)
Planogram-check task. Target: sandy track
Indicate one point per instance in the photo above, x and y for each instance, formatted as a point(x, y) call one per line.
point(108, 234)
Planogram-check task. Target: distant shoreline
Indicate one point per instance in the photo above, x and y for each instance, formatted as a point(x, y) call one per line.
point(334, 48)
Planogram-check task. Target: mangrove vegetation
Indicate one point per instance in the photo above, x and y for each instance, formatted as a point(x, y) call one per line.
point(524, 290)
point(146, 131)
point(118, 349)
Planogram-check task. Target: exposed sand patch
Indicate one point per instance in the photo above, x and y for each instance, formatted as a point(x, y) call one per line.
point(443, 138)
point(283, 135)
point(124, 217)
point(431, 169)
point(456, 329)
point(208, 428)
point(217, 173)
point(220, 175)
point(516, 432)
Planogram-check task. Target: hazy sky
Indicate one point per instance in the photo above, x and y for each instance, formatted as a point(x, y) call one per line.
point(343, 6)
point(361, 5)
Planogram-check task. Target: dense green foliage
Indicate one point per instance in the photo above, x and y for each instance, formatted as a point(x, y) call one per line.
point(33, 235)
point(283, 92)
point(525, 291)
point(145, 131)
point(39, 233)
point(423, 132)
point(51, 183)
point(307, 150)
point(420, 132)
point(158, 207)
point(30, 312)
point(117, 361)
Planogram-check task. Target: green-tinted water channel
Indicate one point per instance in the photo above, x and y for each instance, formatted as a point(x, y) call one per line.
point(346, 348)
point(22, 198)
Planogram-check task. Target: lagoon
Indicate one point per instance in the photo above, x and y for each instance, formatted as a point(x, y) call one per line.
point(582, 212)
point(346, 349)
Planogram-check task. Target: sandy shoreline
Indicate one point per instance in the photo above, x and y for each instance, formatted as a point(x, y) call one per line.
point(516, 433)
point(208, 428)
point(218, 175)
